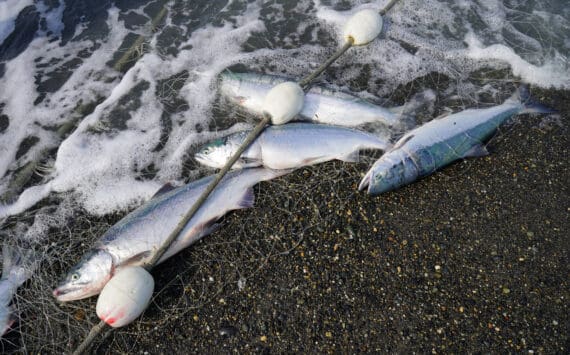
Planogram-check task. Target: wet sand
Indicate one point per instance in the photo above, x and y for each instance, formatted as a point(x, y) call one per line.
point(471, 259)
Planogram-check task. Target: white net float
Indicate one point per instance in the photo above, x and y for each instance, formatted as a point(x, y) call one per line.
point(283, 102)
point(125, 296)
point(363, 27)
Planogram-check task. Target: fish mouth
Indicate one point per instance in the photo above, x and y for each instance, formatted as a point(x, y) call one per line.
point(65, 294)
point(61, 294)
point(207, 162)
point(200, 158)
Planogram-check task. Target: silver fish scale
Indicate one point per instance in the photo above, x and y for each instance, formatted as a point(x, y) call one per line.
point(321, 105)
point(145, 229)
point(435, 144)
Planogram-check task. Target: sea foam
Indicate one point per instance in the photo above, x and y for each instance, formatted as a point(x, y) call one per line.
point(133, 141)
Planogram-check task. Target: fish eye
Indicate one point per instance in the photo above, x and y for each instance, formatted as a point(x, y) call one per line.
point(75, 276)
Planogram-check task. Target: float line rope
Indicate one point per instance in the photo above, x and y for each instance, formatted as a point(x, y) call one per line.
point(388, 7)
point(307, 80)
point(248, 140)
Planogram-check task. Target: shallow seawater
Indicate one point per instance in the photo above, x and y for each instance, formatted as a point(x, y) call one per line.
point(102, 102)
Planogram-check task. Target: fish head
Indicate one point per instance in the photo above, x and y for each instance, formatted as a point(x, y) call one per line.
point(390, 173)
point(7, 319)
point(216, 153)
point(87, 278)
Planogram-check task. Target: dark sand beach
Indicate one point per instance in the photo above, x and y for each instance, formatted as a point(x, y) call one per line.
point(471, 259)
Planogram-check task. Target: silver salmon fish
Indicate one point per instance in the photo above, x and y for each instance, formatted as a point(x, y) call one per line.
point(134, 239)
point(290, 146)
point(17, 267)
point(321, 105)
point(439, 142)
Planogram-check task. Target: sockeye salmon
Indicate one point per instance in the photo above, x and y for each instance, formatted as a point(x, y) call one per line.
point(439, 142)
point(291, 145)
point(135, 238)
point(321, 105)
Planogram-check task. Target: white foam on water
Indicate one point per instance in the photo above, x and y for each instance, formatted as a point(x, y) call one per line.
point(28, 198)
point(213, 50)
point(27, 118)
point(102, 167)
point(52, 17)
point(422, 37)
point(550, 74)
point(9, 10)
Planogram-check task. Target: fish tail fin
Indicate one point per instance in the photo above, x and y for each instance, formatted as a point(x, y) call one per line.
point(422, 101)
point(7, 261)
point(530, 105)
point(17, 266)
point(380, 141)
point(352, 157)
point(404, 117)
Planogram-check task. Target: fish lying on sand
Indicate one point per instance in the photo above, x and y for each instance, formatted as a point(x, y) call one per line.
point(321, 105)
point(439, 142)
point(291, 145)
point(17, 268)
point(135, 238)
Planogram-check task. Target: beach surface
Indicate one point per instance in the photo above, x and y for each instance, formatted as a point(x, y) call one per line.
point(102, 103)
point(470, 259)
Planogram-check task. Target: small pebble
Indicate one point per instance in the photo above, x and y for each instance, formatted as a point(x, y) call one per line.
point(228, 331)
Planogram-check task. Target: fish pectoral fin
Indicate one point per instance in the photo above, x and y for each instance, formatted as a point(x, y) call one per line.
point(137, 259)
point(164, 189)
point(248, 199)
point(478, 150)
point(352, 157)
point(244, 162)
point(365, 181)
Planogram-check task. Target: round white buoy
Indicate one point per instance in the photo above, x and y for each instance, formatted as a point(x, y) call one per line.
point(363, 27)
point(283, 102)
point(125, 296)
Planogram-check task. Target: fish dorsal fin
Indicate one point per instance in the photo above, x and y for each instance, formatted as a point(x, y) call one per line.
point(478, 150)
point(403, 141)
point(164, 189)
point(444, 114)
